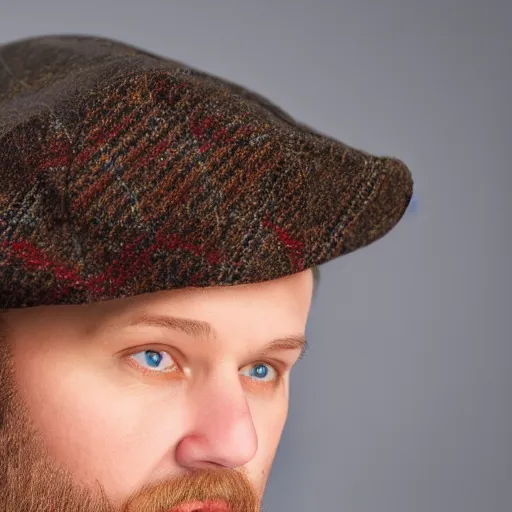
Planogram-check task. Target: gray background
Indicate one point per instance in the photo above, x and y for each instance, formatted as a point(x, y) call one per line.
point(404, 401)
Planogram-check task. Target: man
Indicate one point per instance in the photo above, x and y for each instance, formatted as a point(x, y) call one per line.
point(158, 231)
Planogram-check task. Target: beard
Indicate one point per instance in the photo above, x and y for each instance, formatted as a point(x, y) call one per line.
point(32, 481)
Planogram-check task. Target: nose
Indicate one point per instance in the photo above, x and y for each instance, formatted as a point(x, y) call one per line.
point(222, 432)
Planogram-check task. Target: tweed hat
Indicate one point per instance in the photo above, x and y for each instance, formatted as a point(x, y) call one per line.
point(123, 172)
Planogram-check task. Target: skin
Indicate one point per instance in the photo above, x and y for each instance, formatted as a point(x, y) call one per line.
point(90, 421)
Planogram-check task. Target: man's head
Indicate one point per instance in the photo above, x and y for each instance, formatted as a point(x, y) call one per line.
point(127, 179)
point(113, 406)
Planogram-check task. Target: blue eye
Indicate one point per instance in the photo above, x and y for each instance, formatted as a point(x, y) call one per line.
point(153, 360)
point(260, 371)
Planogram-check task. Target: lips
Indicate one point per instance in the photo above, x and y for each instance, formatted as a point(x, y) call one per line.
point(202, 506)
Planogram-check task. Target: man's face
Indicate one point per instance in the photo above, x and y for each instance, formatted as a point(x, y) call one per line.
point(99, 415)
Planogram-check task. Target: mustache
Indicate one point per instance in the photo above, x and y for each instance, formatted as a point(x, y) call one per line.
point(224, 485)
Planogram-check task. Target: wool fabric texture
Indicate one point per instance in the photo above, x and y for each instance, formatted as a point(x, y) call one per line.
point(123, 172)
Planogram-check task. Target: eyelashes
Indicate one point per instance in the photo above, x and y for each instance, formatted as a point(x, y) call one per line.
point(160, 364)
point(153, 359)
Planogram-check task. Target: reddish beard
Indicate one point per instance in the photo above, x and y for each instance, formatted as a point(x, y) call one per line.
point(31, 481)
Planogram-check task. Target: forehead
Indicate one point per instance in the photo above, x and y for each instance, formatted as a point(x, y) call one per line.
point(285, 300)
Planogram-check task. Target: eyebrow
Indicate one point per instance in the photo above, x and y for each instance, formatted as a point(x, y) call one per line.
point(201, 329)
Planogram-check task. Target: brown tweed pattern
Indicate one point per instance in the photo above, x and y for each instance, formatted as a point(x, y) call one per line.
point(124, 173)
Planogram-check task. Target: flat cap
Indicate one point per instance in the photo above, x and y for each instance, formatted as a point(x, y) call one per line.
point(123, 172)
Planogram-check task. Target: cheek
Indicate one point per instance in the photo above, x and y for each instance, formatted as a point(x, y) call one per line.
point(94, 422)
point(270, 422)
point(269, 418)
